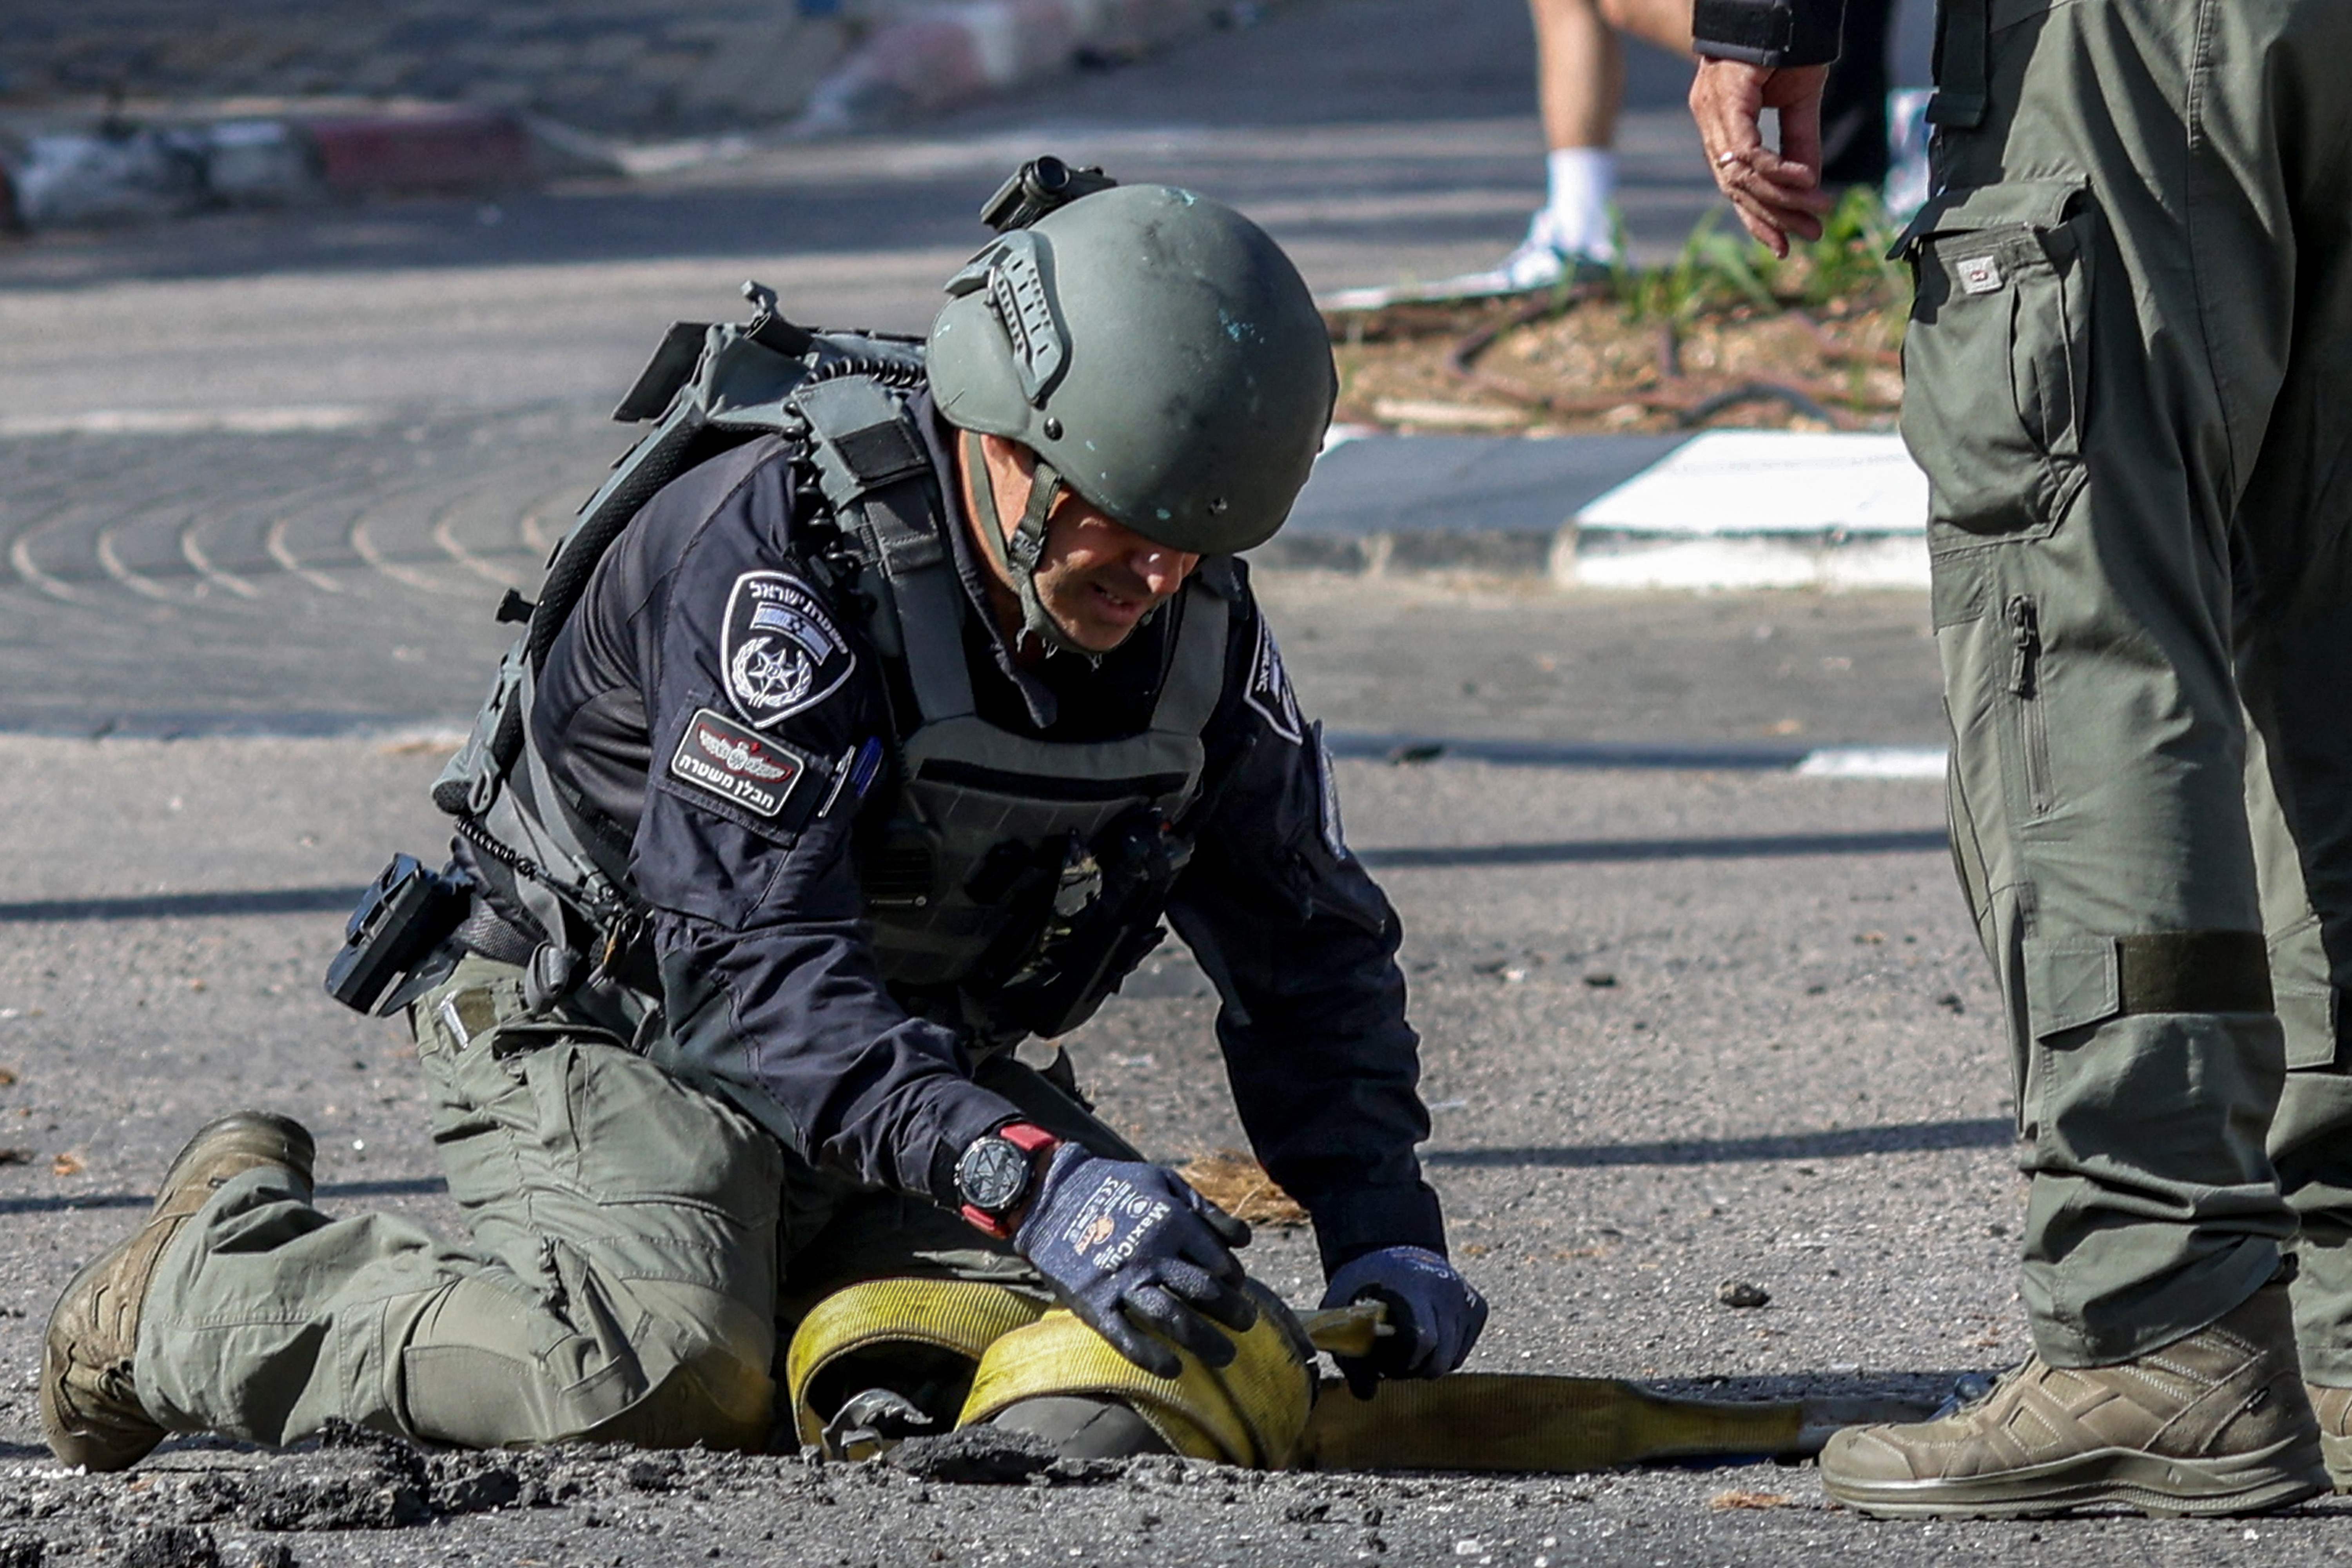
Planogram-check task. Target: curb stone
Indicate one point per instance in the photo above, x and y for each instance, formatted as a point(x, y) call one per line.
point(940, 56)
point(128, 172)
point(1723, 510)
point(919, 56)
point(469, 148)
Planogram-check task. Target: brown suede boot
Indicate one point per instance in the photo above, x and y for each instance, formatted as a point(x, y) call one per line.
point(2217, 1423)
point(2333, 1408)
point(89, 1410)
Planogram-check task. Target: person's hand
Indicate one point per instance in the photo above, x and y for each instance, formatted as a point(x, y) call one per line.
point(1775, 193)
point(1136, 1253)
point(1436, 1313)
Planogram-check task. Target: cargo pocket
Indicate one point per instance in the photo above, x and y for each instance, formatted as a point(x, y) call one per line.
point(2304, 996)
point(622, 1130)
point(1996, 362)
point(2071, 981)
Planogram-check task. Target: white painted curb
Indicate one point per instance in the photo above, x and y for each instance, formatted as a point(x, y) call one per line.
point(300, 420)
point(1723, 510)
point(1759, 509)
point(1730, 482)
point(1874, 763)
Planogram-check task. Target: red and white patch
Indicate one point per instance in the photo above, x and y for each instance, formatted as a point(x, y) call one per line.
point(738, 764)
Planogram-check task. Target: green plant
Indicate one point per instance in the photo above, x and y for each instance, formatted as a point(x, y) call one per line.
point(1850, 261)
point(1710, 272)
point(1716, 270)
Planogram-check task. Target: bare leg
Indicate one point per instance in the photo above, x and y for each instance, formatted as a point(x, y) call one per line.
point(1580, 72)
point(1581, 85)
point(1665, 22)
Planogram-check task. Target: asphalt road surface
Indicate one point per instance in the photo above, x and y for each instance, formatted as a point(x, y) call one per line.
point(1380, 139)
point(1684, 1025)
point(1683, 1028)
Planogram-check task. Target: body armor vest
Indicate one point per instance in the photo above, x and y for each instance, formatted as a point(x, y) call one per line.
point(1014, 881)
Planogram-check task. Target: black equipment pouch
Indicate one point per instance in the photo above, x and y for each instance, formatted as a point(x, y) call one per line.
point(404, 914)
point(1097, 916)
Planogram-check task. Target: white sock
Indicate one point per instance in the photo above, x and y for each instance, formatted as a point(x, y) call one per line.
point(1576, 215)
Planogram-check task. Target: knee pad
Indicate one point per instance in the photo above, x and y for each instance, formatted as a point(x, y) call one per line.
point(1252, 1412)
point(923, 1339)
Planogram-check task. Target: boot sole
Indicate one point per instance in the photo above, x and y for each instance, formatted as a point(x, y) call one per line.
point(2274, 1478)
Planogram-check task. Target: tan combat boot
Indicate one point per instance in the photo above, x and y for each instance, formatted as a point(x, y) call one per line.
point(89, 1410)
point(2333, 1408)
point(2217, 1423)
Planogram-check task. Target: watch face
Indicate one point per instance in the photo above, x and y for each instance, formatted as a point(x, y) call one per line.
point(993, 1174)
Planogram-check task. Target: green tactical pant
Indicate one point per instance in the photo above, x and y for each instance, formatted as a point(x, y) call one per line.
point(2129, 381)
point(635, 1250)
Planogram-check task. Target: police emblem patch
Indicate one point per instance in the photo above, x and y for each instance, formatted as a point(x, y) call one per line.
point(782, 651)
point(1269, 689)
point(1335, 836)
point(751, 770)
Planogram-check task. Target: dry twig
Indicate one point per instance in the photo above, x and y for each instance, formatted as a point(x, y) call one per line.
point(1239, 1185)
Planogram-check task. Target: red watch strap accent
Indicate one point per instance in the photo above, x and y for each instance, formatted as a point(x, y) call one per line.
point(1027, 1137)
point(1030, 1140)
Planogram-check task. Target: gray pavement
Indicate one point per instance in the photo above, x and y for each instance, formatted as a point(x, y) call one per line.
point(330, 583)
point(1681, 1027)
point(655, 67)
point(1685, 1023)
point(1380, 138)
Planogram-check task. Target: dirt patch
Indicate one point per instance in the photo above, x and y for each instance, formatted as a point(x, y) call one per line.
point(1723, 334)
point(1238, 1184)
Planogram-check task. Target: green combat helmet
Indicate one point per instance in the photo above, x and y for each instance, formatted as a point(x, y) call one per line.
point(1156, 350)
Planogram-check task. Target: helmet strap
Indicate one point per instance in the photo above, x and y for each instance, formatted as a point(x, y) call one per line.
point(1019, 558)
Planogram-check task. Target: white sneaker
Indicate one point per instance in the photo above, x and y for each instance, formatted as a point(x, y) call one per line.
point(1539, 263)
point(1536, 265)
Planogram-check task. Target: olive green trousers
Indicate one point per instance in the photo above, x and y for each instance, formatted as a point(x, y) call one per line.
point(635, 1249)
point(2130, 382)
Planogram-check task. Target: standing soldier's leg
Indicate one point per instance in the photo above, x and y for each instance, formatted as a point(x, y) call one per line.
point(2106, 284)
point(620, 1283)
point(2294, 621)
point(2311, 1137)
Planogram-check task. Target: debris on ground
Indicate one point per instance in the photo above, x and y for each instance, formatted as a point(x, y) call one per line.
point(1742, 1294)
point(1240, 1185)
point(975, 1456)
point(172, 1546)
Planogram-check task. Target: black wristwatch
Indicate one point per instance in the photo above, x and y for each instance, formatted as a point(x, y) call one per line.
point(997, 1173)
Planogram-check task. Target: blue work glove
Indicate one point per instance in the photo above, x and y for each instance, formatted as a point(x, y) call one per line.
point(1436, 1313)
point(1135, 1252)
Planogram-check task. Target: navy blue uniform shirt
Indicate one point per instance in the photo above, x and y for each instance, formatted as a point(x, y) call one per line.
point(771, 986)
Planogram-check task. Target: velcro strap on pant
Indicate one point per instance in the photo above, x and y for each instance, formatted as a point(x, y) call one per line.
point(2193, 971)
